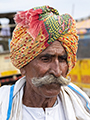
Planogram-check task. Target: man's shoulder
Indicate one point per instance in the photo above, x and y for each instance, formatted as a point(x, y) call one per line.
point(4, 90)
point(75, 100)
point(79, 95)
point(78, 91)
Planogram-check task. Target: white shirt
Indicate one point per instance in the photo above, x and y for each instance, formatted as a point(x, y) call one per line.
point(53, 113)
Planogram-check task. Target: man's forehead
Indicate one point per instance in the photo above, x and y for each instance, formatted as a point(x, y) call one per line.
point(54, 48)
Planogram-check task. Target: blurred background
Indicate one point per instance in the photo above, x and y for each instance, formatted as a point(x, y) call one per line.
point(78, 9)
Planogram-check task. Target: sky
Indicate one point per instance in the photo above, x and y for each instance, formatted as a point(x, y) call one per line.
point(77, 8)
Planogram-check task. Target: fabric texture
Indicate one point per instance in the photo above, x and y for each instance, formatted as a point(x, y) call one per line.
point(74, 105)
point(52, 113)
point(38, 28)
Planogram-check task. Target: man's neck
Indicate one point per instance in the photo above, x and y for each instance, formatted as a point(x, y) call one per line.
point(32, 99)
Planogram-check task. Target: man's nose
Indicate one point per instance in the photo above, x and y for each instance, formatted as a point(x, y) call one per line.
point(55, 69)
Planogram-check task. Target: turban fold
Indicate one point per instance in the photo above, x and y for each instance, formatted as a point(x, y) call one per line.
point(38, 28)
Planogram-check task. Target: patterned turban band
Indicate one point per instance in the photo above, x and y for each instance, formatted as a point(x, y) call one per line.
point(38, 28)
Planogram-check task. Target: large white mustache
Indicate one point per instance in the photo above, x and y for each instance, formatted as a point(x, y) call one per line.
point(48, 79)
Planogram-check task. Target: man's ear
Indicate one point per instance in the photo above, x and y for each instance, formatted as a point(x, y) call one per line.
point(22, 70)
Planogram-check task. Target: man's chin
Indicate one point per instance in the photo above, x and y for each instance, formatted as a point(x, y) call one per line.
point(50, 90)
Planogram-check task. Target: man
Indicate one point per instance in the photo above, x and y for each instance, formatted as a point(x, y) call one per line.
point(43, 47)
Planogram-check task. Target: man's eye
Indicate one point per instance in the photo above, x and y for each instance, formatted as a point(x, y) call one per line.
point(61, 59)
point(45, 59)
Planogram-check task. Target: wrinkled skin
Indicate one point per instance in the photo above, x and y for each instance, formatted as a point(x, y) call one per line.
point(53, 61)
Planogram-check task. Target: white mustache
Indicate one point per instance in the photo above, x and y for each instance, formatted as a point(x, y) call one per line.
point(48, 79)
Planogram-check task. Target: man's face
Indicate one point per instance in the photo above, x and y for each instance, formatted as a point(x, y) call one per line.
point(52, 61)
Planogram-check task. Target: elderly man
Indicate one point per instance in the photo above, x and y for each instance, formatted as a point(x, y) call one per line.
point(43, 47)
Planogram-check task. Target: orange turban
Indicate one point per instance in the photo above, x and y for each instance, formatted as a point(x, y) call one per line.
point(38, 28)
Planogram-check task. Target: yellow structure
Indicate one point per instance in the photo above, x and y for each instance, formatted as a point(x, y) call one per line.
point(80, 74)
point(6, 67)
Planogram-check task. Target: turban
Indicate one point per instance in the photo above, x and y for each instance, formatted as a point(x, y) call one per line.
point(38, 28)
